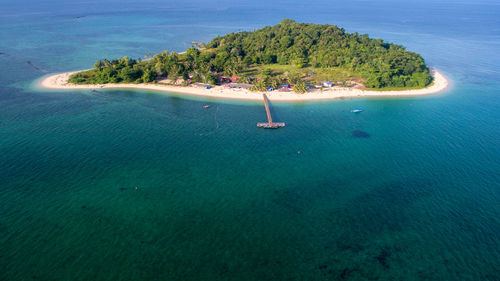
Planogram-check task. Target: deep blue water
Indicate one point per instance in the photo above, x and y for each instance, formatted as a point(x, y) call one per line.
point(414, 196)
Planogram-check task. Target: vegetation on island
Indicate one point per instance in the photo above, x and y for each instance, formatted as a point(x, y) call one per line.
point(301, 54)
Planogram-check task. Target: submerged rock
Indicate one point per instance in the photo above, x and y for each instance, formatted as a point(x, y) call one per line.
point(360, 134)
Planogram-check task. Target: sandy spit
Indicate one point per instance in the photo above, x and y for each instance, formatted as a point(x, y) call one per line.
point(60, 81)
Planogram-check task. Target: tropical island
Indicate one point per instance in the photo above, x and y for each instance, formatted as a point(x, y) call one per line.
point(289, 61)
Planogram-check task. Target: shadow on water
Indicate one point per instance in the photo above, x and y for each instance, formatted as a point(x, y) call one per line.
point(274, 115)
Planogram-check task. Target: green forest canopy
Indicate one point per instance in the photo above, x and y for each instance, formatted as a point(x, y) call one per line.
point(288, 52)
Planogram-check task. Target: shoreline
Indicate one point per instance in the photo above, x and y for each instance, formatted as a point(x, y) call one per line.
point(60, 81)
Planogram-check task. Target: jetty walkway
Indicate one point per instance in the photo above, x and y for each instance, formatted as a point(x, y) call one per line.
point(269, 124)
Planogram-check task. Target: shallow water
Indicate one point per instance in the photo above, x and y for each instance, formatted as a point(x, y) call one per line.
point(136, 185)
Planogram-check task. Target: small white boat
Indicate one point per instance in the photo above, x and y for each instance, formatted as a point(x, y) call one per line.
point(356, 110)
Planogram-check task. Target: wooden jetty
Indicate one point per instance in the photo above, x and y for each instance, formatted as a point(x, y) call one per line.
point(269, 124)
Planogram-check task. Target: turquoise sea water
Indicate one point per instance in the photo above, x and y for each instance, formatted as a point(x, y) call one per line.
point(415, 198)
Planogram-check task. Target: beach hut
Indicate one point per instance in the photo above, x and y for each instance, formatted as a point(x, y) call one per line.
point(240, 85)
point(327, 84)
point(284, 88)
point(198, 84)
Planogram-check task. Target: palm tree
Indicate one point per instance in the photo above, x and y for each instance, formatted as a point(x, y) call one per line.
point(99, 65)
point(107, 63)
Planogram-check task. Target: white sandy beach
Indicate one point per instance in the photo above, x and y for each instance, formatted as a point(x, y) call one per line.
point(60, 81)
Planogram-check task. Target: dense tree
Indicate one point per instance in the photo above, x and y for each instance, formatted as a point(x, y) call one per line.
point(294, 45)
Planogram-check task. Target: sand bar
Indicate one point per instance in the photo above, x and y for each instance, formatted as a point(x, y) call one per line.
point(60, 81)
